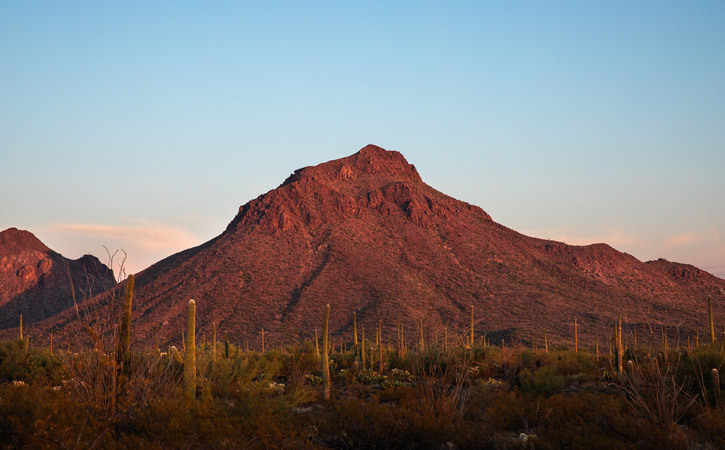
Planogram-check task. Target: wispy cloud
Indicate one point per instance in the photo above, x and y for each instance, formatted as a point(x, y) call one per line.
point(145, 241)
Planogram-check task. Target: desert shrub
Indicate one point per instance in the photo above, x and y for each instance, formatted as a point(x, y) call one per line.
point(35, 416)
point(22, 364)
point(544, 381)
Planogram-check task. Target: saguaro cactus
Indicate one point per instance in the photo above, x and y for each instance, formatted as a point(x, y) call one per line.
point(619, 345)
point(715, 385)
point(472, 338)
point(21, 327)
point(317, 345)
point(362, 349)
point(712, 320)
point(325, 356)
point(123, 352)
point(354, 331)
point(190, 353)
point(213, 342)
point(576, 337)
point(263, 341)
point(175, 354)
point(380, 346)
point(226, 345)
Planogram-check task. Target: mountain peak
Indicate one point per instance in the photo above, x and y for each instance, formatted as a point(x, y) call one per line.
point(14, 240)
point(370, 160)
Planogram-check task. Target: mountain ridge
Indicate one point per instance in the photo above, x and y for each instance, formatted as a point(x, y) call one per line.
point(364, 233)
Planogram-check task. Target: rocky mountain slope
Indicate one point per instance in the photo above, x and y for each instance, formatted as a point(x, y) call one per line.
point(364, 233)
point(37, 282)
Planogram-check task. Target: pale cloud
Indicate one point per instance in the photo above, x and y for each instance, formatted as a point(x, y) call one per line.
point(682, 239)
point(144, 241)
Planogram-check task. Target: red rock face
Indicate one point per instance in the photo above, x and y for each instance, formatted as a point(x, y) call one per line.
point(366, 234)
point(36, 281)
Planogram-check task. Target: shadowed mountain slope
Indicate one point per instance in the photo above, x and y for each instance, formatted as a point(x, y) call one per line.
point(37, 282)
point(364, 233)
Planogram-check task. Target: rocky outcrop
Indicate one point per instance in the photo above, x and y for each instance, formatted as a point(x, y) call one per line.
point(37, 282)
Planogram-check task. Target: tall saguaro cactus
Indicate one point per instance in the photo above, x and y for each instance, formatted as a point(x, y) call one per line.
point(354, 331)
point(576, 336)
point(712, 320)
point(190, 353)
point(620, 349)
point(123, 352)
point(471, 339)
point(21, 327)
point(213, 342)
point(325, 356)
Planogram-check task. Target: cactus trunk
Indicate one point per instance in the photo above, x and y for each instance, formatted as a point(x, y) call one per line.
point(325, 356)
point(226, 345)
point(190, 353)
point(619, 345)
point(715, 386)
point(123, 352)
point(576, 337)
point(712, 320)
point(354, 331)
point(380, 346)
point(213, 342)
point(362, 348)
point(472, 338)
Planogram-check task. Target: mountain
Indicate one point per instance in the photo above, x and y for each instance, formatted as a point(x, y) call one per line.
point(37, 282)
point(364, 233)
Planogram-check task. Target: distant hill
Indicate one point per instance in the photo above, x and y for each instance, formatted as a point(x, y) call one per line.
point(364, 233)
point(36, 282)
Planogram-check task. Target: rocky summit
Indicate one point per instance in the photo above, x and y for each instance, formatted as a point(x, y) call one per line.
point(38, 283)
point(365, 233)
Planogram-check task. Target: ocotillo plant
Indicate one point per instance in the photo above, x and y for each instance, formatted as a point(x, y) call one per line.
point(123, 352)
point(190, 354)
point(325, 356)
point(712, 320)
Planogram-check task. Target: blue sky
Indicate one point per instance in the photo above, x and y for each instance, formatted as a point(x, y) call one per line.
point(145, 125)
